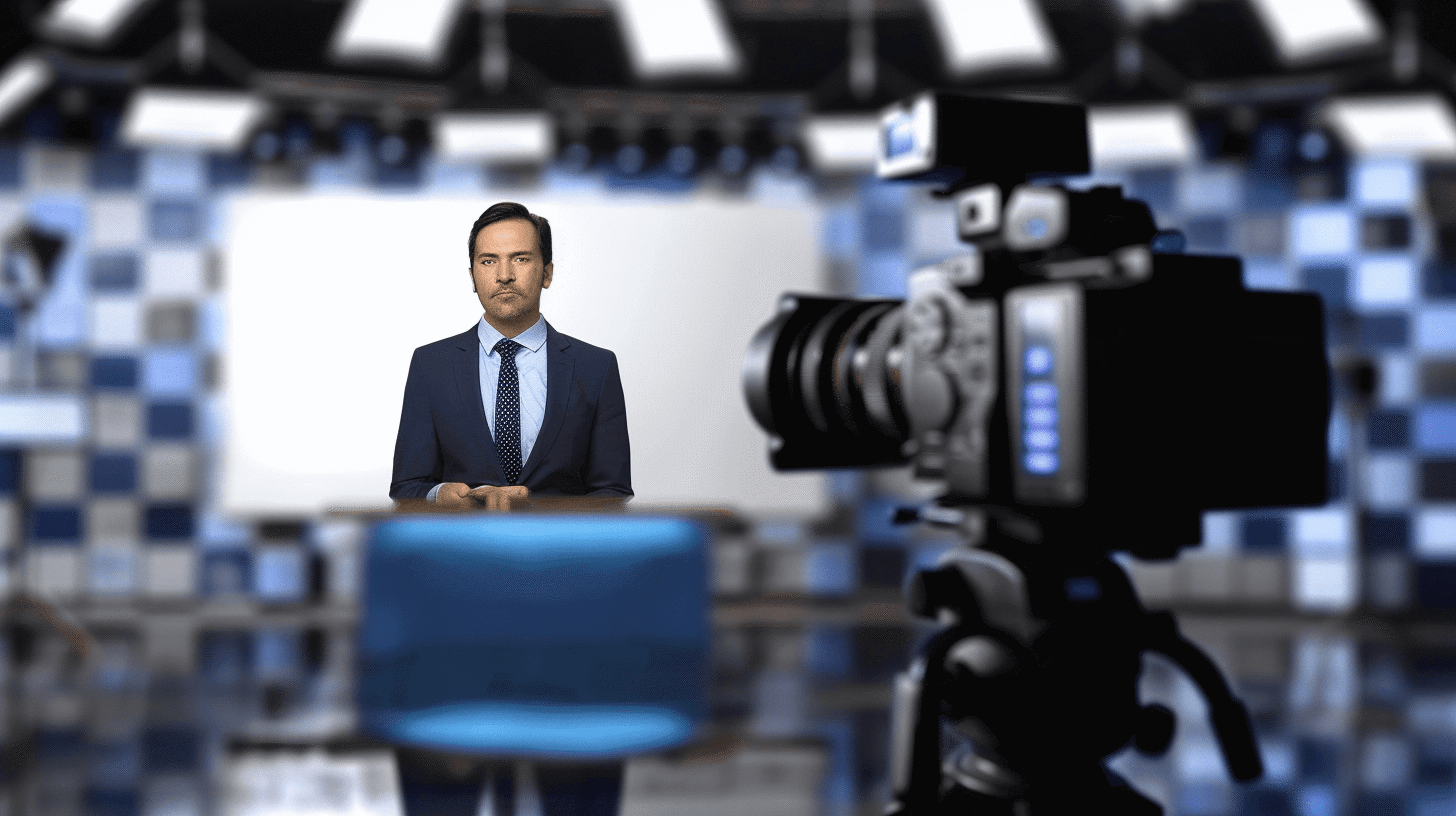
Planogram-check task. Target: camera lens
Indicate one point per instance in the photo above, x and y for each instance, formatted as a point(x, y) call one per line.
point(821, 377)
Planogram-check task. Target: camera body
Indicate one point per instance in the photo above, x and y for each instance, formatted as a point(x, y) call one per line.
point(1063, 371)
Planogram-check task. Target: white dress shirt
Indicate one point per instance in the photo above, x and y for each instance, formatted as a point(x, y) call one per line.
point(531, 374)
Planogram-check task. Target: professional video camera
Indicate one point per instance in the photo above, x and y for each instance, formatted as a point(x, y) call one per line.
point(1076, 393)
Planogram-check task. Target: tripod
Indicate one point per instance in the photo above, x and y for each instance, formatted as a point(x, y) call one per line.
point(1014, 705)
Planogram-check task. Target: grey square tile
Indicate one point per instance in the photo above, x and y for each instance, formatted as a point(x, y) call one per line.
point(169, 572)
point(60, 369)
point(113, 520)
point(117, 421)
point(1262, 235)
point(9, 523)
point(171, 322)
point(169, 472)
point(54, 475)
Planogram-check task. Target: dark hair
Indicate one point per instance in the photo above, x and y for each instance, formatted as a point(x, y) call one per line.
point(505, 211)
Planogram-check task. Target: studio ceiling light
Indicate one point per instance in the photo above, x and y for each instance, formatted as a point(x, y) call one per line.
point(986, 35)
point(21, 81)
point(843, 143)
point(1145, 134)
point(89, 21)
point(497, 138)
point(411, 31)
point(1418, 125)
point(675, 38)
point(204, 120)
point(1309, 30)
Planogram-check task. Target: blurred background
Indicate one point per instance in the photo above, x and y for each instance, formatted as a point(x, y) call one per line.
point(227, 224)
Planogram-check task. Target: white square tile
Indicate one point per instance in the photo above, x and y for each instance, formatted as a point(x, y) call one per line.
point(117, 421)
point(1384, 281)
point(115, 322)
point(112, 519)
point(1385, 182)
point(117, 222)
point(169, 572)
point(1436, 533)
point(53, 573)
point(169, 472)
point(1220, 532)
point(1325, 584)
point(12, 211)
point(1389, 481)
point(1397, 380)
point(54, 475)
point(1210, 189)
point(1325, 532)
point(176, 273)
point(1322, 232)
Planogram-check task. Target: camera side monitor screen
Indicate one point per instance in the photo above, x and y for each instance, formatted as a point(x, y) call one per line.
point(907, 138)
point(1044, 365)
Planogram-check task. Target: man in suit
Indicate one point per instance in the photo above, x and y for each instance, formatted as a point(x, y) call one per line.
point(506, 412)
point(511, 408)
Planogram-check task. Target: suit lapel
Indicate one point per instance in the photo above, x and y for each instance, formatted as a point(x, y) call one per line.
point(558, 389)
point(467, 381)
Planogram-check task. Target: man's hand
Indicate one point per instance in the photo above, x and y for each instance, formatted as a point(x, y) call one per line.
point(457, 496)
point(500, 499)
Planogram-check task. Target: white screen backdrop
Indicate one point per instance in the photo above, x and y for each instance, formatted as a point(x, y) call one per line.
point(328, 295)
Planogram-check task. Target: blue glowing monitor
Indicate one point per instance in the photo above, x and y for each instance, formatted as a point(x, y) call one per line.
point(535, 635)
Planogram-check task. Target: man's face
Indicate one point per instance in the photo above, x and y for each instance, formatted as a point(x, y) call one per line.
point(509, 275)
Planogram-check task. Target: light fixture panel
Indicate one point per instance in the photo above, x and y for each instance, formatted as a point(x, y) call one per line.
point(977, 36)
point(843, 143)
point(203, 120)
point(1413, 125)
point(21, 81)
point(1143, 134)
point(93, 22)
point(497, 138)
point(1310, 30)
point(408, 31)
point(677, 38)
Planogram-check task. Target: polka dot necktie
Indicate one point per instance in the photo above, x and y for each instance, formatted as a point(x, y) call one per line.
point(508, 411)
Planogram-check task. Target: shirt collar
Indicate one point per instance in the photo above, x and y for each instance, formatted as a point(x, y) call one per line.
point(532, 338)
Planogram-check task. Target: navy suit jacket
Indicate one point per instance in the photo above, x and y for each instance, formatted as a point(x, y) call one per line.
point(443, 436)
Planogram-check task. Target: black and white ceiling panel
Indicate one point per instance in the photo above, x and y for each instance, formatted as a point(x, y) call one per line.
point(680, 65)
